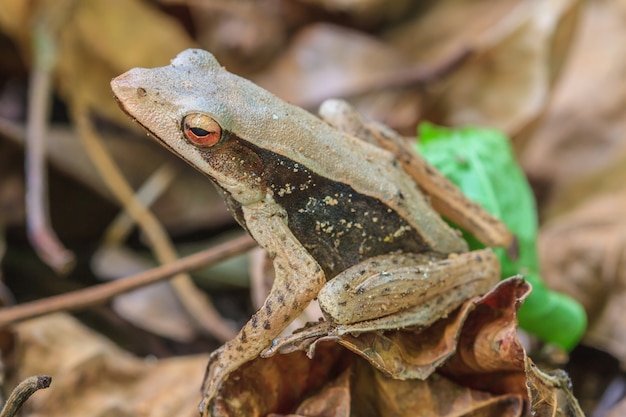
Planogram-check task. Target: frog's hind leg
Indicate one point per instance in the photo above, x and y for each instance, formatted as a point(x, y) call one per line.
point(343, 117)
point(402, 290)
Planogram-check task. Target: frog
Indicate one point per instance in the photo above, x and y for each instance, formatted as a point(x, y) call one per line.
point(341, 216)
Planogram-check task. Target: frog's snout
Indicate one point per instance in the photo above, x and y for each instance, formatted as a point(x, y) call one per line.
point(126, 87)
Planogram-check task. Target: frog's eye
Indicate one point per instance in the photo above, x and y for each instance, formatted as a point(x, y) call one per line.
point(201, 130)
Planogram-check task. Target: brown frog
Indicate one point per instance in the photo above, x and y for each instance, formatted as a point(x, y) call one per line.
point(341, 218)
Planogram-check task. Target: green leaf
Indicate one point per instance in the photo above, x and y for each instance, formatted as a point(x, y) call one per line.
point(481, 163)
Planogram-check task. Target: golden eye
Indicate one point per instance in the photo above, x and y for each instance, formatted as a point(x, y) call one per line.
point(201, 130)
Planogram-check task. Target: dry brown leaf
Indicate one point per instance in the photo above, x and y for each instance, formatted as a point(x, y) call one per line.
point(97, 40)
point(463, 338)
point(582, 255)
point(508, 83)
point(489, 356)
point(607, 180)
point(366, 13)
point(438, 396)
point(518, 51)
point(551, 393)
point(482, 369)
point(94, 47)
point(358, 390)
point(444, 27)
point(333, 400)
point(583, 130)
point(277, 384)
point(324, 61)
point(94, 377)
point(243, 35)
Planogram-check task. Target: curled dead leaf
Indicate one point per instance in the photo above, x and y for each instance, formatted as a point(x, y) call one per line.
point(278, 384)
point(469, 363)
point(551, 393)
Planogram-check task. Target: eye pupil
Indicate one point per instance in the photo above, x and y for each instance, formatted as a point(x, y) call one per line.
point(201, 130)
point(198, 131)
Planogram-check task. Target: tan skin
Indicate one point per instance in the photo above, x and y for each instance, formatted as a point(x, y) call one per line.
point(341, 218)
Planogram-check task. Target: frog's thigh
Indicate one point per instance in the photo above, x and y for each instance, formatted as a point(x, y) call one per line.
point(389, 284)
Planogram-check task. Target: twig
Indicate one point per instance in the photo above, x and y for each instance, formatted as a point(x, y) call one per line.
point(98, 294)
point(22, 392)
point(40, 233)
point(12, 131)
point(197, 305)
point(148, 193)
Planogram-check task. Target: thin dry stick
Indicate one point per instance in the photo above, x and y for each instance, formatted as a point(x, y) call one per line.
point(12, 131)
point(98, 294)
point(148, 193)
point(40, 233)
point(22, 392)
point(197, 305)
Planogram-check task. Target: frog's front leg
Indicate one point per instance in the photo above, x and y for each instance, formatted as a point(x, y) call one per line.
point(298, 280)
point(401, 290)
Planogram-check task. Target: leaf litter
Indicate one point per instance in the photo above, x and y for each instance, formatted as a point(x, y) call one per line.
point(553, 136)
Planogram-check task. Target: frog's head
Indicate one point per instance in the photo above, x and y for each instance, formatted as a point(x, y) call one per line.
point(210, 117)
point(194, 107)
